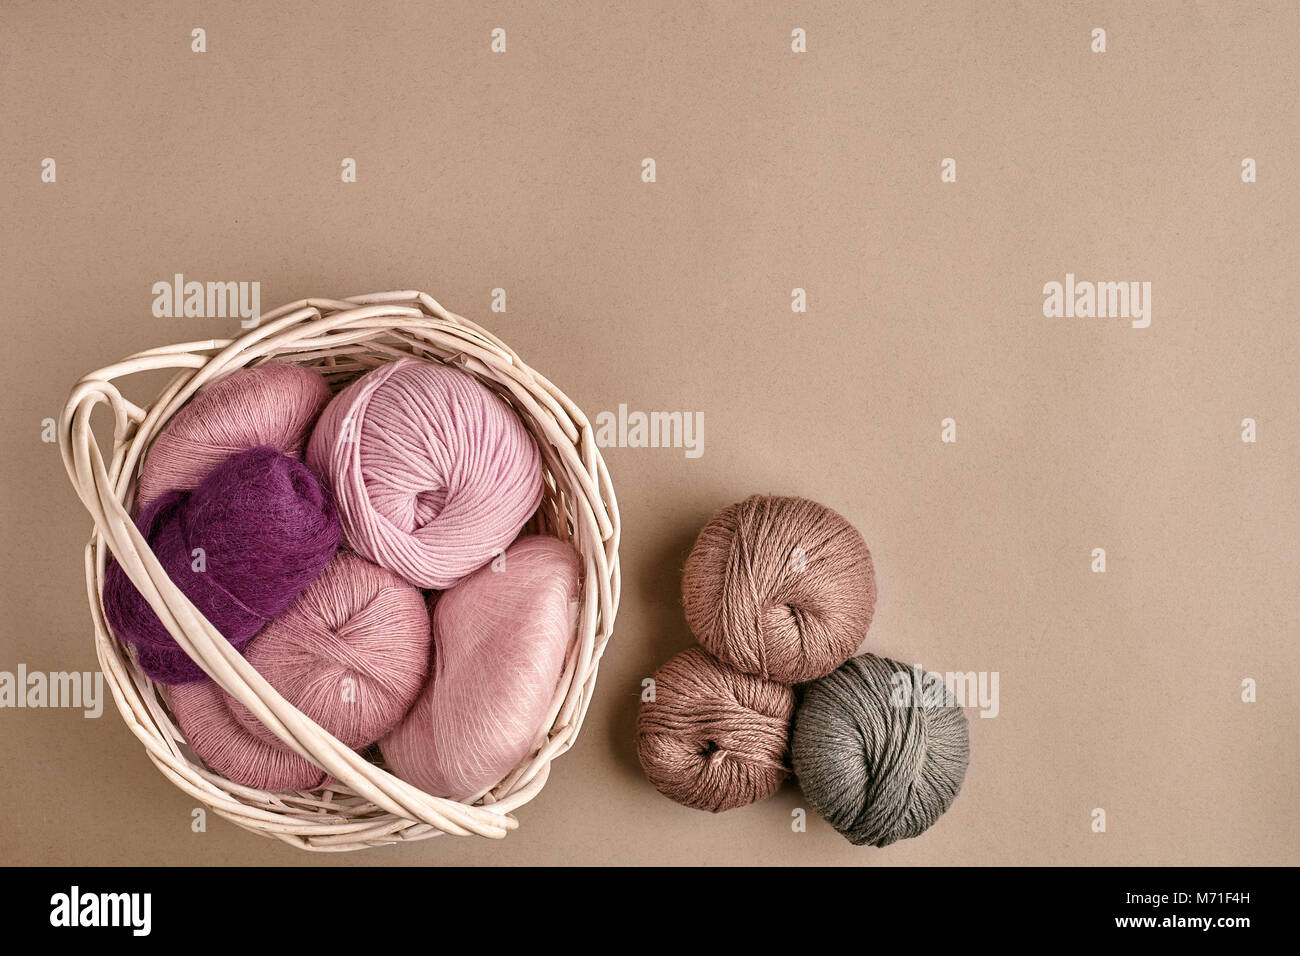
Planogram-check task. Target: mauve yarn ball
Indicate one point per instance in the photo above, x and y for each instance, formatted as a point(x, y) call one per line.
point(274, 405)
point(878, 761)
point(781, 588)
point(266, 529)
point(351, 653)
point(432, 471)
point(214, 734)
point(714, 738)
point(501, 637)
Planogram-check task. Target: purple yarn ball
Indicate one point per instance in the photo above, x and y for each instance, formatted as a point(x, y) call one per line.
point(267, 529)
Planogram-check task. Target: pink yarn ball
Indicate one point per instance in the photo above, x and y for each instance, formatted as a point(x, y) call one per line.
point(432, 471)
point(501, 637)
point(351, 653)
point(272, 405)
point(226, 746)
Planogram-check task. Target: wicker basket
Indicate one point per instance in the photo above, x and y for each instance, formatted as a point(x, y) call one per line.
point(364, 805)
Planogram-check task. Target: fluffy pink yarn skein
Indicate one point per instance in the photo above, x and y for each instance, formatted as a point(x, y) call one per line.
point(272, 405)
point(501, 637)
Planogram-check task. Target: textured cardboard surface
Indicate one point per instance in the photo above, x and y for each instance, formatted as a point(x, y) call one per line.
point(775, 171)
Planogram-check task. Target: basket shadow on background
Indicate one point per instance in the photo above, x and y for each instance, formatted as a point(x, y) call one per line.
point(364, 805)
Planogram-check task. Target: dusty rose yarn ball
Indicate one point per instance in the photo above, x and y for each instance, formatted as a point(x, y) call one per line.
point(271, 405)
point(352, 652)
point(714, 738)
point(782, 588)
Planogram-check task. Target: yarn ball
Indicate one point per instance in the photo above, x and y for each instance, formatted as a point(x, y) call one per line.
point(266, 529)
point(204, 716)
point(714, 738)
point(272, 405)
point(431, 470)
point(880, 766)
point(501, 637)
point(781, 588)
point(351, 653)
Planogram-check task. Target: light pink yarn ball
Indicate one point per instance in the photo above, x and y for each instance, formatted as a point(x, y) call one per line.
point(352, 652)
point(431, 471)
point(501, 637)
point(272, 405)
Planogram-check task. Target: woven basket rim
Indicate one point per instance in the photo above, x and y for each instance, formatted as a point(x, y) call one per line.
point(363, 805)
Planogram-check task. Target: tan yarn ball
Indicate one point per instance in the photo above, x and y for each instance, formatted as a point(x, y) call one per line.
point(782, 588)
point(714, 738)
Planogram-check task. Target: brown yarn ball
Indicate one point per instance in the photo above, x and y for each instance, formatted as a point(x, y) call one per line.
point(782, 588)
point(714, 738)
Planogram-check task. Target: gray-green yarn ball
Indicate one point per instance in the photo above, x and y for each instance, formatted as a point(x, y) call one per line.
point(880, 762)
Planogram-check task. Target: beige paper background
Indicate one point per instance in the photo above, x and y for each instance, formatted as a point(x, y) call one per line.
point(775, 171)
